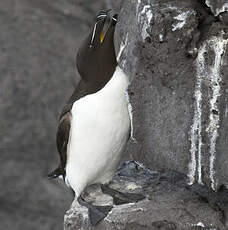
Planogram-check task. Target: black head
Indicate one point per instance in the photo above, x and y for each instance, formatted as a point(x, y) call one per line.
point(96, 59)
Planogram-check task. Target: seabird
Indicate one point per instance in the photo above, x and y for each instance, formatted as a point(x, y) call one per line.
point(95, 125)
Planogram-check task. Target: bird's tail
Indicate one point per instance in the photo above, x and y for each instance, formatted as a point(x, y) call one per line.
point(56, 173)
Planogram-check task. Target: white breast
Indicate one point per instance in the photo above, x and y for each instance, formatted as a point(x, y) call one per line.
point(100, 128)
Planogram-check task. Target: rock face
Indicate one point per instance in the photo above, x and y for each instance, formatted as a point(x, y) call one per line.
point(218, 6)
point(170, 203)
point(176, 55)
point(114, 5)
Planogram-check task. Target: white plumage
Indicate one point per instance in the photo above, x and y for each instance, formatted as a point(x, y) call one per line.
point(100, 128)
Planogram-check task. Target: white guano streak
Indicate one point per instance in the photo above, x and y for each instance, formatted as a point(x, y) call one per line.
point(123, 45)
point(196, 126)
point(137, 7)
point(122, 48)
point(200, 224)
point(219, 46)
point(182, 20)
point(130, 111)
point(144, 17)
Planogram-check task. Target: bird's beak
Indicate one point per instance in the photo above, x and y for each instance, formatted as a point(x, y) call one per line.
point(105, 29)
point(108, 23)
point(101, 27)
point(102, 37)
point(98, 28)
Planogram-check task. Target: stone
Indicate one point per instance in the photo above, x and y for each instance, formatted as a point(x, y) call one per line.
point(175, 53)
point(170, 203)
point(114, 5)
point(217, 6)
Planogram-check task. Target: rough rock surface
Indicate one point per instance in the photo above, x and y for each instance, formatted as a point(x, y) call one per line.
point(114, 5)
point(176, 55)
point(170, 203)
point(217, 6)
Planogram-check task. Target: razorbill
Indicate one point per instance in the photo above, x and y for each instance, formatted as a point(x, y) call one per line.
point(95, 125)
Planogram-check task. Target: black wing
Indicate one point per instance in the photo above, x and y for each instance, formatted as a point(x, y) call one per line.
point(62, 138)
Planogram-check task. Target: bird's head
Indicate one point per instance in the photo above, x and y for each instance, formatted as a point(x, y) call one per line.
point(96, 59)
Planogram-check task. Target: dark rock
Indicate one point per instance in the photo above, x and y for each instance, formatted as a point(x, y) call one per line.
point(170, 203)
point(224, 17)
point(174, 53)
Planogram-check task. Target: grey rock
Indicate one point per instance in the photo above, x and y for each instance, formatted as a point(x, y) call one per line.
point(217, 6)
point(170, 203)
point(114, 5)
point(169, 49)
point(224, 17)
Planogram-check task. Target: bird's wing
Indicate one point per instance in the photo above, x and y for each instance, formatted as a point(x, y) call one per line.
point(62, 138)
point(61, 141)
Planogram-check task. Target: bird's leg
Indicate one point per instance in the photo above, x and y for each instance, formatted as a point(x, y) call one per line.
point(96, 213)
point(119, 197)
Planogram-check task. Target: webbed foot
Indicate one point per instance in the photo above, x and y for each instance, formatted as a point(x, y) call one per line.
point(96, 213)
